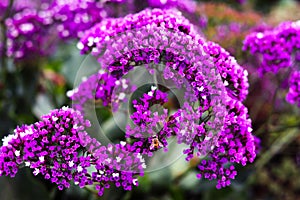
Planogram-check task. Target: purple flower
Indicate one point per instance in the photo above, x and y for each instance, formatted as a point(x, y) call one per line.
point(277, 47)
point(28, 34)
point(236, 144)
point(184, 5)
point(234, 76)
point(156, 37)
point(74, 17)
point(92, 90)
point(293, 96)
point(147, 124)
point(45, 145)
point(58, 148)
point(108, 28)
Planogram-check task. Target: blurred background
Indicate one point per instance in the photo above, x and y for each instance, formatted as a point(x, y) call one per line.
point(32, 87)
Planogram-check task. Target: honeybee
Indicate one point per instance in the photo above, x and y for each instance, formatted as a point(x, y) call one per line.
point(155, 144)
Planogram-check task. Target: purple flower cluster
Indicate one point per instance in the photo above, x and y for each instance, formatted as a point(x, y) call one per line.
point(33, 26)
point(293, 96)
point(42, 21)
point(277, 47)
point(74, 17)
point(58, 148)
point(154, 37)
point(236, 144)
point(183, 5)
point(103, 31)
point(27, 34)
point(50, 142)
point(234, 76)
point(18, 5)
point(148, 124)
point(100, 87)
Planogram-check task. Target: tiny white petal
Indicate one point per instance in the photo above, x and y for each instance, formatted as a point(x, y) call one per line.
point(110, 148)
point(153, 87)
point(115, 175)
point(84, 78)
point(123, 143)
point(135, 181)
point(118, 159)
point(42, 158)
point(75, 126)
point(108, 160)
point(80, 46)
point(122, 96)
point(71, 163)
point(17, 153)
point(226, 83)
point(125, 86)
point(259, 35)
point(101, 71)
point(79, 169)
point(7, 139)
point(70, 93)
point(36, 171)
point(65, 108)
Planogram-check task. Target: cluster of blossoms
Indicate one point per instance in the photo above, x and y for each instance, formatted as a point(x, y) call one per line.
point(33, 26)
point(234, 76)
point(183, 5)
point(100, 87)
point(212, 121)
point(75, 16)
point(278, 48)
point(235, 145)
point(58, 148)
point(293, 96)
point(157, 37)
point(42, 21)
point(27, 32)
point(94, 38)
point(147, 123)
